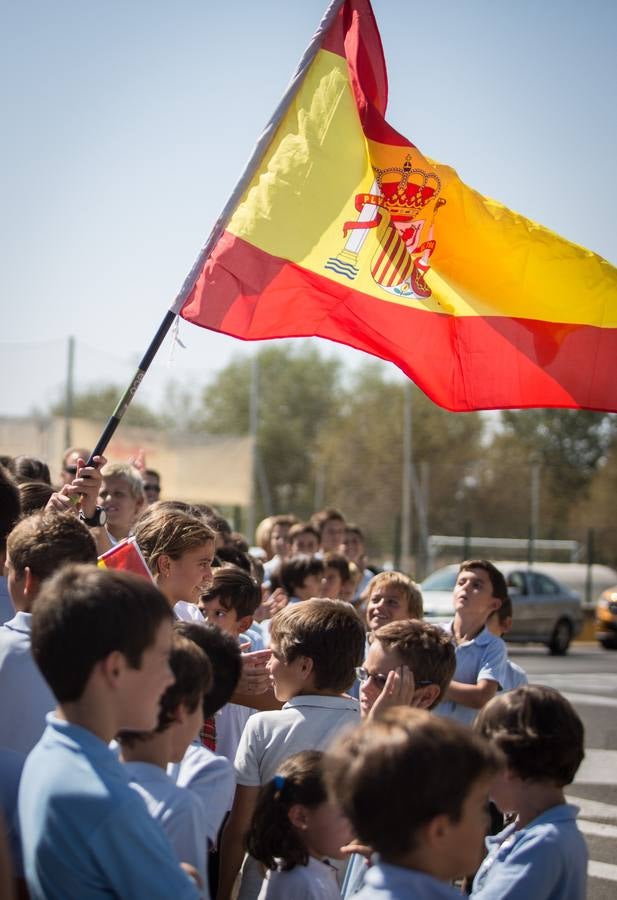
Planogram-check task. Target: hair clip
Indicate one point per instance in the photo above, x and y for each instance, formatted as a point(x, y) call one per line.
point(279, 782)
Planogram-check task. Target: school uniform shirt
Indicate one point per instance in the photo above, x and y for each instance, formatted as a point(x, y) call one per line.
point(315, 881)
point(7, 610)
point(482, 658)
point(545, 860)
point(514, 676)
point(86, 835)
point(180, 812)
point(211, 778)
point(11, 766)
point(385, 882)
point(25, 696)
point(306, 722)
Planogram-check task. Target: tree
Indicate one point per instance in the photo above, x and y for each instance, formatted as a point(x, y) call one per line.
point(98, 403)
point(299, 391)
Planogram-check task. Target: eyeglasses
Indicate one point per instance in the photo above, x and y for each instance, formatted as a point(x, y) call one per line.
point(152, 487)
point(379, 680)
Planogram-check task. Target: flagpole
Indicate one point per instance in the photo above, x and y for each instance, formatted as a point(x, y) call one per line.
point(220, 225)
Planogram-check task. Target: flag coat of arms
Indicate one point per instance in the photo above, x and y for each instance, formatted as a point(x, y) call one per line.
point(341, 228)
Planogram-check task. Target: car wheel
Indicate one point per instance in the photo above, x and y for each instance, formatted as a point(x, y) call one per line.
point(609, 643)
point(561, 637)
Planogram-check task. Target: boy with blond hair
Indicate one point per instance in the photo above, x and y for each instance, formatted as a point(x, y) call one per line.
point(123, 498)
point(415, 788)
point(392, 596)
point(316, 646)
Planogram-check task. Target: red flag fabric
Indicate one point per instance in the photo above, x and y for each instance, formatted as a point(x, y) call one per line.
point(127, 557)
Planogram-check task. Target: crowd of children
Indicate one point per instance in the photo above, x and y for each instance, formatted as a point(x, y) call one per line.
point(266, 723)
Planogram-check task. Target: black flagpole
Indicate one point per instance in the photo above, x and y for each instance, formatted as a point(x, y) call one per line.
point(123, 403)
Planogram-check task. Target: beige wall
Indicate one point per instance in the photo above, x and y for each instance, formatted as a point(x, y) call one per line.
point(197, 468)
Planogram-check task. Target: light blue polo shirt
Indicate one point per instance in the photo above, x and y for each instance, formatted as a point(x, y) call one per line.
point(483, 658)
point(385, 882)
point(7, 610)
point(86, 835)
point(545, 860)
point(25, 697)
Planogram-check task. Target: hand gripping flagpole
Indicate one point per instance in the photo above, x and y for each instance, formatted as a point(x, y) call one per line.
point(220, 225)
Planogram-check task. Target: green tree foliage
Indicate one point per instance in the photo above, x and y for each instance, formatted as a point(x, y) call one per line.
point(299, 391)
point(98, 403)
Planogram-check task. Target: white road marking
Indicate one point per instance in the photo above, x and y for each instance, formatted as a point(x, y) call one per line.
point(598, 767)
point(593, 809)
point(590, 699)
point(602, 870)
point(581, 681)
point(597, 829)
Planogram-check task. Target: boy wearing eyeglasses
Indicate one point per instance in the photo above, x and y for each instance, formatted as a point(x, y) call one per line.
point(409, 663)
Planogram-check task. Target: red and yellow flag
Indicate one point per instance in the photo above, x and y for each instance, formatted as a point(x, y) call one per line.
point(344, 230)
point(127, 557)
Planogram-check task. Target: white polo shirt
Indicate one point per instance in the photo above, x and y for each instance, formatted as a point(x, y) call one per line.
point(25, 696)
point(306, 722)
point(211, 778)
point(483, 658)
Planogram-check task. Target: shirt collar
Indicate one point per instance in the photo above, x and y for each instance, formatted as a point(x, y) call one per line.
point(483, 637)
point(563, 812)
point(318, 700)
point(21, 621)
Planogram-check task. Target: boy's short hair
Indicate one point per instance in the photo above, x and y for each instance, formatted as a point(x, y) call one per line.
point(130, 474)
point(83, 614)
point(425, 649)
point(498, 582)
point(293, 572)
point(10, 506)
point(339, 562)
point(193, 679)
point(169, 532)
point(327, 631)
point(352, 528)
point(504, 611)
point(45, 541)
point(34, 495)
point(224, 654)
point(394, 774)
point(409, 589)
point(302, 528)
point(539, 732)
point(218, 524)
point(329, 514)
point(228, 555)
point(30, 468)
point(234, 589)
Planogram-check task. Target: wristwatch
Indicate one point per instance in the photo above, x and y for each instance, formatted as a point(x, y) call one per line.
point(99, 518)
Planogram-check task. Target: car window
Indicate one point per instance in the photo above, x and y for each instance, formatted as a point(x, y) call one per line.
point(542, 584)
point(517, 580)
point(440, 581)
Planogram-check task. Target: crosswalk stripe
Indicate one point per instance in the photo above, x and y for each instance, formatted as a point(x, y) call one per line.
point(606, 871)
point(594, 809)
point(597, 829)
point(590, 699)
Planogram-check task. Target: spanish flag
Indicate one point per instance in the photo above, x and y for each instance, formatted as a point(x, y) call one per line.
point(341, 228)
point(126, 557)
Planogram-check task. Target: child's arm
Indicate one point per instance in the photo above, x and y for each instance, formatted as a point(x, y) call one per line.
point(234, 838)
point(473, 695)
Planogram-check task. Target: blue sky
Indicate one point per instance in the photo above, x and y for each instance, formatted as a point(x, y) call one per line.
point(127, 124)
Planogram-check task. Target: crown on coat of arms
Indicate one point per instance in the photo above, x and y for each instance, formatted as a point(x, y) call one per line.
point(405, 198)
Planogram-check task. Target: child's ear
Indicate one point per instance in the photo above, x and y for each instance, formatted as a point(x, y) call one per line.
point(245, 623)
point(298, 816)
point(437, 830)
point(31, 584)
point(425, 696)
point(163, 564)
point(111, 668)
point(306, 667)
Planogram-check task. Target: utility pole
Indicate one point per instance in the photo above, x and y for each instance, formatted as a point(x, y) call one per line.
point(406, 526)
point(535, 507)
point(253, 424)
point(69, 393)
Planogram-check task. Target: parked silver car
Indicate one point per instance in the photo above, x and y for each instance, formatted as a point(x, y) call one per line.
point(545, 611)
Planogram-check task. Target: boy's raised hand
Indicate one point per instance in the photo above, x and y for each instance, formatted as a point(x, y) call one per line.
point(277, 600)
point(398, 690)
point(254, 678)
